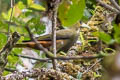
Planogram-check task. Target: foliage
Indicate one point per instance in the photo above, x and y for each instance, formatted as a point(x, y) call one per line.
point(22, 14)
point(71, 11)
point(30, 12)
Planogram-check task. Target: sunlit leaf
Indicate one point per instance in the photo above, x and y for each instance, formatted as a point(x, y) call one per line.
point(96, 75)
point(3, 26)
point(11, 12)
point(71, 11)
point(37, 7)
point(36, 26)
point(5, 73)
point(21, 5)
point(16, 51)
point(8, 15)
point(4, 15)
point(119, 2)
point(29, 2)
point(104, 37)
point(3, 40)
point(117, 33)
point(12, 59)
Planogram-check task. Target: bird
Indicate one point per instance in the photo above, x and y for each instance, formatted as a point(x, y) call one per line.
point(65, 38)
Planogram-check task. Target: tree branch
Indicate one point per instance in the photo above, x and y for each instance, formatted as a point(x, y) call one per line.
point(48, 53)
point(38, 59)
point(39, 74)
point(108, 6)
point(7, 49)
point(115, 4)
point(54, 6)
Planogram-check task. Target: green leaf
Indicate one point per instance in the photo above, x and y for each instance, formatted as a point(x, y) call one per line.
point(105, 37)
point(3, 40)
point(37, 7)
point(4, 15)
point(21, 5)
point(5, 73)
point(24, 1)
point(29, 2)
point(96, 75)
point(16, 51)
point(12, 59)
point(36, 26)
point(117, 33)
point(3, 25)
point(119, 2)
point(7, 16)
point(32, 5)
point(71, 11)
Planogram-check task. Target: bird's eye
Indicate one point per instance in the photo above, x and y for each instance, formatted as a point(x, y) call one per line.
point(80, 22)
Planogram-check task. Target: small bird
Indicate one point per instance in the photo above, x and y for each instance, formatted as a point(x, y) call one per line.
point(65, 38)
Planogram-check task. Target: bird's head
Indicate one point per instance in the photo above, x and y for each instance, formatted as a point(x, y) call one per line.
point(79, 25)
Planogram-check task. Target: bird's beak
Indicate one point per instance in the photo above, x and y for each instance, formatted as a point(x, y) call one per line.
point(85, 25)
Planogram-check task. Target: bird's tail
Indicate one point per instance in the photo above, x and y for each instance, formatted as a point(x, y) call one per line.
point(45, 44)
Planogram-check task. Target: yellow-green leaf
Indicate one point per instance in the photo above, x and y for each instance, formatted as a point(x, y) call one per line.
point(106, 38)
point(29, 2)
point(37, 7)
point(71, 11)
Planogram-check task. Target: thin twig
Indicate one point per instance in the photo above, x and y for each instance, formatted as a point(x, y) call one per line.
point(52, 8)
point(12, 7)
point(108, 6)
point(38, 59)
point(54, 22)
point(91, 67)
point(115, 4)
point(54, 37)
point(63, 57)
point(39, 46)
point(79, 57)
point(7, 49)
point(10, 70)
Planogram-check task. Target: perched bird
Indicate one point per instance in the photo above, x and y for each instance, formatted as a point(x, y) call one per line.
point(65, 38)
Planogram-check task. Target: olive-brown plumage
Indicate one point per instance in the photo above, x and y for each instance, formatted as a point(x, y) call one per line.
point(65, 38)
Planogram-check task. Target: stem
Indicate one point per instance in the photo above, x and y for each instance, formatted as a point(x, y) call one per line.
point(12, 6)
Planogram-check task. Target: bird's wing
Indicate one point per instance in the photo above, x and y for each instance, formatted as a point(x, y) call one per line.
point(41, 38)
point(60, 35)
